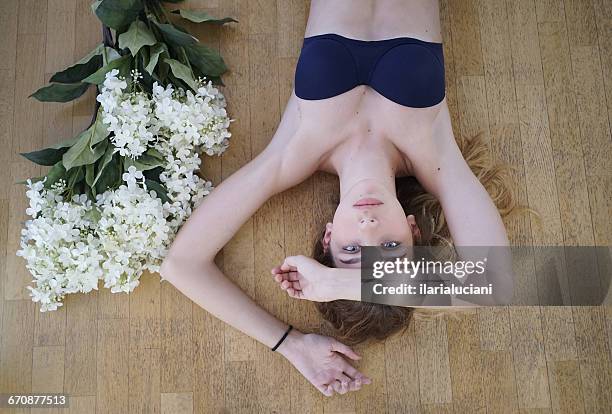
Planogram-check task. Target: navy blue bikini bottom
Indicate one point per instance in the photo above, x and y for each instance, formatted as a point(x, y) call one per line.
point(405, 70)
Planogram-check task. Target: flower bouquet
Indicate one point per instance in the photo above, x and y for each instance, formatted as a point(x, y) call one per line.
point(117, 193)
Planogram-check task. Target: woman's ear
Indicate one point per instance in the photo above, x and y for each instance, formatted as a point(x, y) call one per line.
point(414, 228)
point(327, 237)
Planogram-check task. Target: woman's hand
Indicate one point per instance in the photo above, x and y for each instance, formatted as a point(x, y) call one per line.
point(304, 278)
point(321, 360)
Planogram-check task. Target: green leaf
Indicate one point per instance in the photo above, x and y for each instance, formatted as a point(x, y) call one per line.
point(110, 176)
point(60, 92)
point(174, 35)
point(95, 5)
point(33, 180)
point(89, 174)
point(159, 190)
point(104, 161)
point(73, 176)
point(143, 163)
point(155, 52)
point(207, 60)
point(182, 72)
point(94, 214)
point(55, 173)
point(50, 155)
point(81, 69)
point(118, 14)
point(123, 64)
point(155, 154)
point(200, 16)
point(83, 152)
point(109, 54)
point(137, 36)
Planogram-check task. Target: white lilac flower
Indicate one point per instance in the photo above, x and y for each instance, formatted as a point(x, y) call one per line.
point(69, 245)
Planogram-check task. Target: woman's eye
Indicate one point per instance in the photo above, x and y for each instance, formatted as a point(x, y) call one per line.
point(351, 249)
point(390, 244)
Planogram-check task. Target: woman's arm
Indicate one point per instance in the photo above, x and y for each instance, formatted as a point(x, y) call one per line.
point(473, 219)
point(189, 264)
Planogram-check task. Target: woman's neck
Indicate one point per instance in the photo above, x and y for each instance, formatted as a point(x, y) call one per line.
point(366, 164)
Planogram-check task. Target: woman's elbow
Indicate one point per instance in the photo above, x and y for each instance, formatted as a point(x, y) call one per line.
point(168, 269)
point(174, 267)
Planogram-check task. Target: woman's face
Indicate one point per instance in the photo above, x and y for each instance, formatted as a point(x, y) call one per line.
point(368, 215)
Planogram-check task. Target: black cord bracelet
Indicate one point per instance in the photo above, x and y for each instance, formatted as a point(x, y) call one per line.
point(283, 338)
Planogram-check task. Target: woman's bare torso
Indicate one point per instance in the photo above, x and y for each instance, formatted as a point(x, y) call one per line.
point(362, 118)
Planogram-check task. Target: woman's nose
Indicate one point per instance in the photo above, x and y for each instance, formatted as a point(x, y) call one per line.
point(367, 221)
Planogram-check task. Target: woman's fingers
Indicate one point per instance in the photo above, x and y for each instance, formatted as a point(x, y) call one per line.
point(326, 389)
point(355, 385)
point(344, 349)
point(352, 372)
point(340, 387)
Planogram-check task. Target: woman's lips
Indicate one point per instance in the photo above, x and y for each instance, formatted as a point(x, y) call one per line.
point(367, 202)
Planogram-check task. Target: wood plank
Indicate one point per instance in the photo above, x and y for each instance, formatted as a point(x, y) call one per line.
point(60, 39)
point(240, 389)
point(449, 63)
point(80, 404)
point(402, 373)
point(466, 362)
point(466, 38)
point(7, 97)
point(81, 342)
point(603, 13)
point(596, 137)
point(144, 380)
point(50, 328)
point(594, 356)
point(179, 403)
point(550, 11)
point(499, 382)
point(473, 105)
point(494, 326)
point(4, 216)
point(526, 62)
point(372, 397)
point(48, 369)
point(290, 21)
point(565, 134)
point(565, 387)
point(176, 340)
point(262, 18)
point(540, 179)
point(16, 347)
point(8, 31)
point(529, 357)
point(32, 17)
point(145, 312)
point(580, 18)
point(434, 368)
point(28, 112)
point(112, 364)
point(209, 376)
point(559, 334)
point(272, 370)
point(502, 107)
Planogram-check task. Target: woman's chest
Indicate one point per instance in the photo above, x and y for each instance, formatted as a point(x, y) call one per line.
point(363, 114)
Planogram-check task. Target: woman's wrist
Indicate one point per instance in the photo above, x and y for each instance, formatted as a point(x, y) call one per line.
point(290, 345)
point(345, 283)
